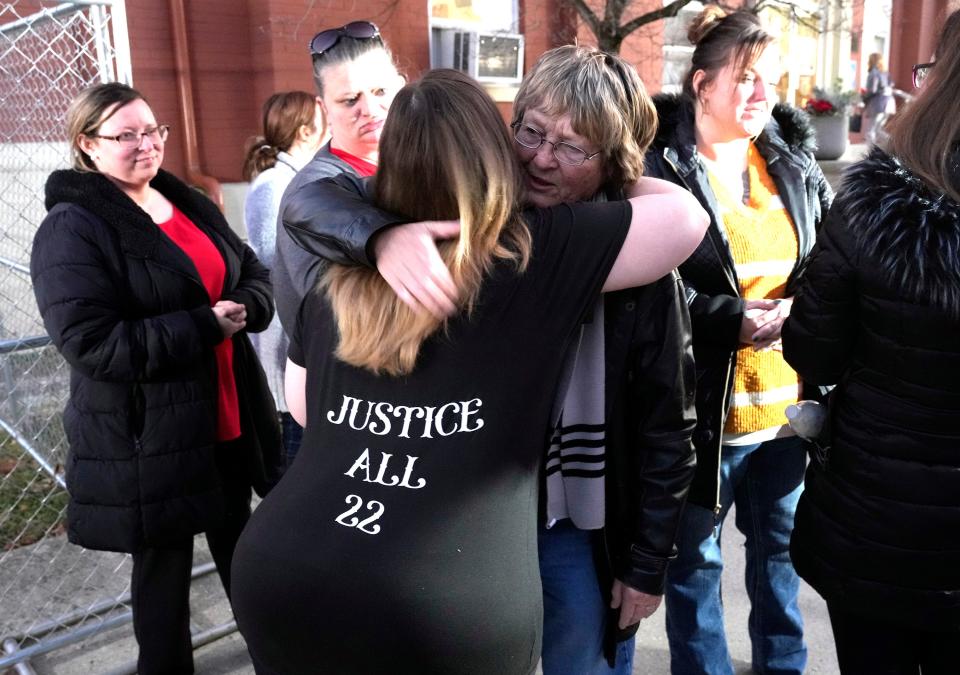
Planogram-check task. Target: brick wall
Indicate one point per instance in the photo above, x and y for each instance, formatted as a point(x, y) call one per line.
point(241, 52)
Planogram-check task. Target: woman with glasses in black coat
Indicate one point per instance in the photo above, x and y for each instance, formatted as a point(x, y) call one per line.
point(148, 295)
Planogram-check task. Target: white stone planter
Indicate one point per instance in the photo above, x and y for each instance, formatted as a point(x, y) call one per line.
point(831, 131)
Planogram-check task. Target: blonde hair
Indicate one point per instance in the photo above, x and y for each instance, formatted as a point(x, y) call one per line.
point(605, 98)
point(85, 112)
point(875, 60)
point(925, 136)
point(444, 154)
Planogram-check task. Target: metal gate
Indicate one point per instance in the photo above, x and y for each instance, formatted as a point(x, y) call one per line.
point(51, 592)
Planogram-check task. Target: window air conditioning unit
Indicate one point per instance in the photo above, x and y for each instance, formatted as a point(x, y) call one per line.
point(487, 57)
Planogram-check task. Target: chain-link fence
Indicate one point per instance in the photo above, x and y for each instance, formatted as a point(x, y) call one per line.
point(51, 593)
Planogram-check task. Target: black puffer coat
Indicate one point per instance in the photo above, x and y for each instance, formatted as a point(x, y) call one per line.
point(126, 308)
point(878, 312)
point(709, 274)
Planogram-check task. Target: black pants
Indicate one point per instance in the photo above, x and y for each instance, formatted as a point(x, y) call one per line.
point(875, 647)
point(160, 585)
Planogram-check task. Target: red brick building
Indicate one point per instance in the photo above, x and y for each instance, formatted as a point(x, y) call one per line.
point(238, 52)
point(224, 57)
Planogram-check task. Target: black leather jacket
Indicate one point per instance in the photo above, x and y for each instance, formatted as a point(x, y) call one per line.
point(649, 386)
point(709, 274)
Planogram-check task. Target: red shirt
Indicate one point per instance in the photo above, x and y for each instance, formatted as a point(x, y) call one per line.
point(212, 270)
point(362, 166)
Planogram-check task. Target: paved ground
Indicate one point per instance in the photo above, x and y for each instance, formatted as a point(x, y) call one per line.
point(113, 652)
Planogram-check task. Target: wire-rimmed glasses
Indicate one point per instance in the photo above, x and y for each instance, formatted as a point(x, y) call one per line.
point(565, 153)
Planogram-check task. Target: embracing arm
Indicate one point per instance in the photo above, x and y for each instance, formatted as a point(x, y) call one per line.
point(666, 225)
point(295, 391)
point(80, 299)
point(333, 218)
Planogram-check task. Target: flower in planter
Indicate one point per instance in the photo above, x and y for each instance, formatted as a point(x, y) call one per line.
point(819, 106)
point(823, 104)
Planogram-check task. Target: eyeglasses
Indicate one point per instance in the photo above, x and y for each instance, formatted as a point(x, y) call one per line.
point(326, 39)
point(133, 139)
point(920, 72)
point(565, 153)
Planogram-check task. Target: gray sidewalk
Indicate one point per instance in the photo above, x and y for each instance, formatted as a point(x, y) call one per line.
point(112, 652)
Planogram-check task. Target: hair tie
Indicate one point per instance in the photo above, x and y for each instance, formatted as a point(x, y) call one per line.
point(265, 146)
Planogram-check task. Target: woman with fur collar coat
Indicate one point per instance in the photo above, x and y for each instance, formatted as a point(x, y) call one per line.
point(878, 313)
point(747, 160)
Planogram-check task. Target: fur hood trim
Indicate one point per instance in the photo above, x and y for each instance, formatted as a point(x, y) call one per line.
point(787, 123)
point(138, 235)
point(910, 231)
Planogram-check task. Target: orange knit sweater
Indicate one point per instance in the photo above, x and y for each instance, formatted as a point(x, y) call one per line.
point(763, 242)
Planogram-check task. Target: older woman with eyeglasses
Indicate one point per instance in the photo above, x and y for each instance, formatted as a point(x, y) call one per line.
point(877, 529)
point(620, 459)
point(149, 296)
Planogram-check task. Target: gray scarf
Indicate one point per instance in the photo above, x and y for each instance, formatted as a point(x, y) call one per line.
point(576, 459)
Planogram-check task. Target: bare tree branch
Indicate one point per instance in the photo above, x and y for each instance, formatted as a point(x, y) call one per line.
point(610, 33)
point(586, 14)
point(666, 12)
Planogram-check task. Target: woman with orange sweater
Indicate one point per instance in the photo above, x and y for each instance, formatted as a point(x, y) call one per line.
point(748, 162)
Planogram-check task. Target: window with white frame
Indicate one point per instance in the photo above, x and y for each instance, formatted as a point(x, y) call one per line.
point(479, 37)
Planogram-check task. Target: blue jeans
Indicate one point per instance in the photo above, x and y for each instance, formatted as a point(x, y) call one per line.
point(574, 612)
point(292, 435)
point(765, 482)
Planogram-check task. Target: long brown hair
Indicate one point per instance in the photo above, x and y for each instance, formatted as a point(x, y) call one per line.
point(284, 114)
point(720, 39)
point(925, 136)
point(445, 153)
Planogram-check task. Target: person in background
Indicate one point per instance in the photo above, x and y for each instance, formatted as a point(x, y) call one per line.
point(878, 314)
point(292, 132)
point(878, 98)
point(356, 80)
point(437, 571)
point(620, 457)
point(149, 296)
point(750, 165)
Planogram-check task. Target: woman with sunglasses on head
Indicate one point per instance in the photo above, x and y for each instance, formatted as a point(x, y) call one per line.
point(403, 539)
point(149, 296)
point(356, 80)
point(878, 314)
point(749, 163)
point(293, 131)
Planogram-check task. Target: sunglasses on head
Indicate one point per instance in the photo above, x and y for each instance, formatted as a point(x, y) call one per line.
point(326, 39)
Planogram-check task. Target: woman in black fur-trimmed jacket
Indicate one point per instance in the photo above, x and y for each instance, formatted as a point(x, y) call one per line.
point(878, 528)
